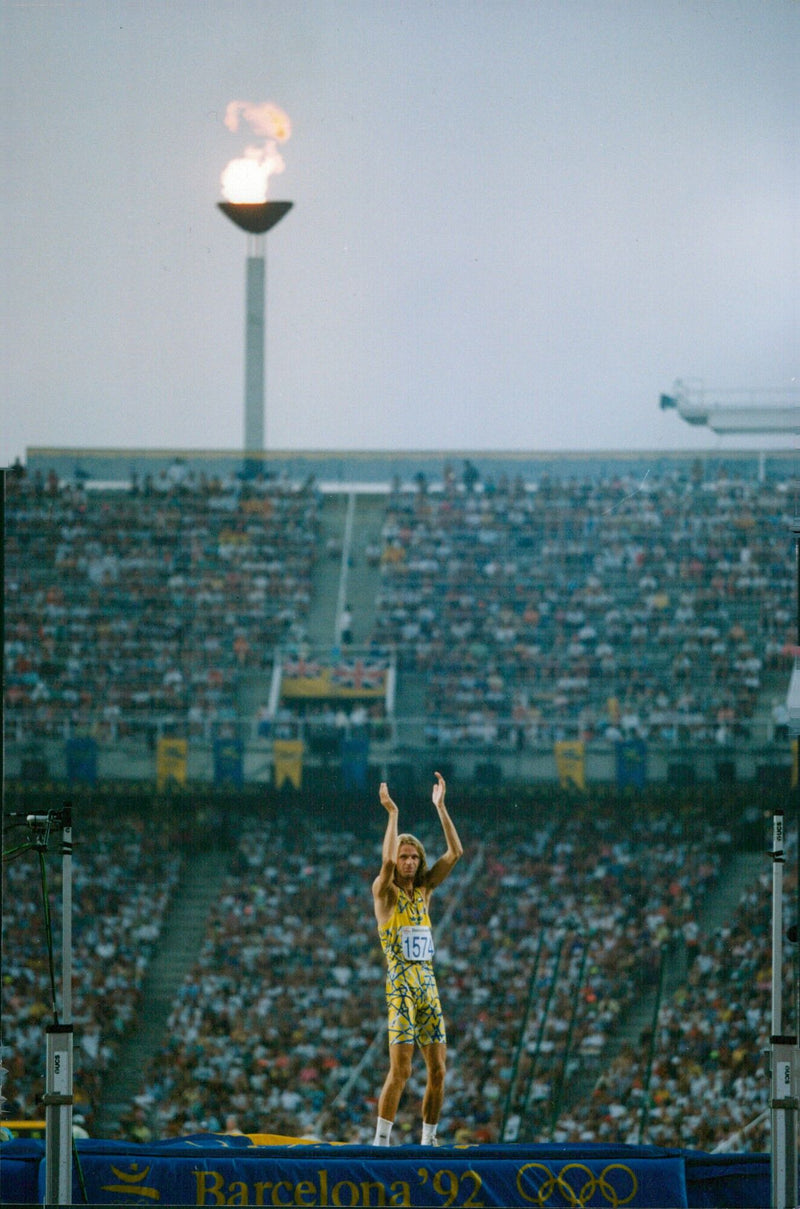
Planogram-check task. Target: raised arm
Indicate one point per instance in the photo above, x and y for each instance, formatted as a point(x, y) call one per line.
point(383, 888)
point(390, 836)
point(447, 861)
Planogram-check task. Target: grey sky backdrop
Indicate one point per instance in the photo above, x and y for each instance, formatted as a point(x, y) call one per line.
point(515, 223)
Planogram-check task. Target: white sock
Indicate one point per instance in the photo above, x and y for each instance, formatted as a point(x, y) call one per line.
point(382, 1131)
point(428, 1134)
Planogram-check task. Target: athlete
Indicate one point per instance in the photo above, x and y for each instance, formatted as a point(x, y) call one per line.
point(401, 893)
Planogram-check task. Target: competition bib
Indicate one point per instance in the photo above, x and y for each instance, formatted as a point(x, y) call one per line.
point(416, 943)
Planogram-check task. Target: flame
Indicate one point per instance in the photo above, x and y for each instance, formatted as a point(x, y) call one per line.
point(246, 179)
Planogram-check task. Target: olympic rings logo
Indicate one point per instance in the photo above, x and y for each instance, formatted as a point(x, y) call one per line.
point(576, 1194)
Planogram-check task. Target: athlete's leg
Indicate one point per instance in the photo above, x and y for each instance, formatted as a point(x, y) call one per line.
point(400, 1056)
point(435, 1056)
point(401, 1031)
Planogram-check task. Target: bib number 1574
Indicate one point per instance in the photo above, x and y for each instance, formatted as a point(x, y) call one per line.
point(417, 944)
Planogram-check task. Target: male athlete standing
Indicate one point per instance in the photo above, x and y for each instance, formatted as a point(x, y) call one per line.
point(401, 893)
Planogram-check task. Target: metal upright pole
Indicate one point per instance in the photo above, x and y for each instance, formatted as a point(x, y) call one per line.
point(505, 1129)
point(783, 1049)
point(794, 736)
point(530, 1087)
point(644, 1115)
point(778, 860)
point(558, 1094)
point(59, 1075)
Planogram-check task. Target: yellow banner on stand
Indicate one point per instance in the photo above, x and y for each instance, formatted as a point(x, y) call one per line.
point(287, 756)
point(170, 762)
point(356, 678)
point(571, 763)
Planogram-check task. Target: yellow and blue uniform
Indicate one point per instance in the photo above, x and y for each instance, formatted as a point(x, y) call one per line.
point(415, 1013)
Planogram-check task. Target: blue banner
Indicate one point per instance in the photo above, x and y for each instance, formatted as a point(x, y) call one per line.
point(631, 763)
point(21, 1160)
point(355, 756)
point(737, 1181)
point(213, 1169)
point(275, 1177)
point(229, 762)
point(81, 754)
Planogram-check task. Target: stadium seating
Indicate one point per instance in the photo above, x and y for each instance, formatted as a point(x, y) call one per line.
point(135, 613)
point(589, 609)
point(593, 608)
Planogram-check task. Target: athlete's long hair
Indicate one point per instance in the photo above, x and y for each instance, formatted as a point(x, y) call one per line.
point(422, 867)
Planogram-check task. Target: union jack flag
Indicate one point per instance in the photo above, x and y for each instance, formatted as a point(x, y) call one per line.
point(361, 674)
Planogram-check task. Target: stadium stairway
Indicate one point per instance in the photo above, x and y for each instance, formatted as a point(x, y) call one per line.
point(361, 578)
point(320, 622)
point(343, 574)
point(360, 586)
point(199, 887)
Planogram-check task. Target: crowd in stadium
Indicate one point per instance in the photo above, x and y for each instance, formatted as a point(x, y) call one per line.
point(547, 935)
point(129, 611)
point(709, 1083)
point(589, 609)
point(597, 608)
point(568, 608)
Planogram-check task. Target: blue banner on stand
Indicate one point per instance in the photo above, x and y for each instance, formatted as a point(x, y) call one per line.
point(81, 754)
point(631, 763)
point(355, 755)
point(229, 762)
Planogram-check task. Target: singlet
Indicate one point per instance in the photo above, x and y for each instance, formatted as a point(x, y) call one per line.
point(406, 939)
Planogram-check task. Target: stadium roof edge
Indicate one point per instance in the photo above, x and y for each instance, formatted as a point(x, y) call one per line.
point(339, 468)
point(236, 455)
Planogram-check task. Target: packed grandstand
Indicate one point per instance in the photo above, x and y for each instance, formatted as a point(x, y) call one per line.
point(658, 605)
point(587, 996)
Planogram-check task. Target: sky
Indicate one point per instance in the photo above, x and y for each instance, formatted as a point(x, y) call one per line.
point(515, 224)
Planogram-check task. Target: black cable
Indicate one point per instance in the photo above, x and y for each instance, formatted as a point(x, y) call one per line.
point(81, 1179)
point(48, 931)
